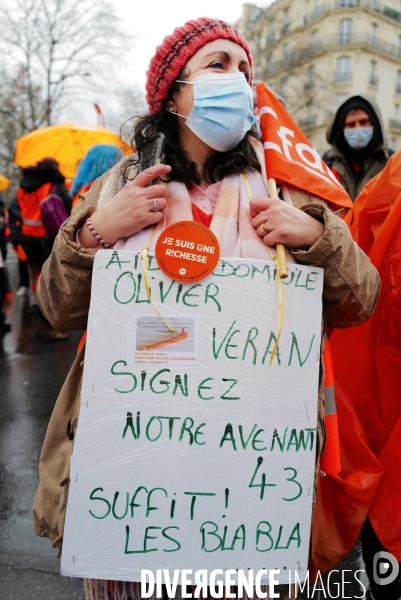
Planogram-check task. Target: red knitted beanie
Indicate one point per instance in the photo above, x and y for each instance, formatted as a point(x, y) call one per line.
point(176, 50)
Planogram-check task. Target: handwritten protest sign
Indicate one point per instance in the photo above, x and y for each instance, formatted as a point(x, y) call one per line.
point(191, 452)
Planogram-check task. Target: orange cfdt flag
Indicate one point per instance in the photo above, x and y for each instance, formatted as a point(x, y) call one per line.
point(290, 157)
point(367, 358)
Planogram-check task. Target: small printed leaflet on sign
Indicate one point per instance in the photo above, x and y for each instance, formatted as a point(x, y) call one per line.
point(150, 341)
point(191, 452)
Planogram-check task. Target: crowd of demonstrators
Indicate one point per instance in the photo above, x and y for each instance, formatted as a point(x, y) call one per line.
point(29, 235)
point(37, 183)
point(4, 326)
point(207, 149)
point(15, 227)
point(359, 145)
point(96, 162)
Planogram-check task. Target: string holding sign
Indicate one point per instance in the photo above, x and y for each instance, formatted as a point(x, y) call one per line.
point(146, 279)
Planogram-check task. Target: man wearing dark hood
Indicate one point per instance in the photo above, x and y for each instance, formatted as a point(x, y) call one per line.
point(359, 146)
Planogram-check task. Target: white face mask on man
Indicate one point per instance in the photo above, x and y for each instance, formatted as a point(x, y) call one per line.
point(223, 109)
point(358, 137)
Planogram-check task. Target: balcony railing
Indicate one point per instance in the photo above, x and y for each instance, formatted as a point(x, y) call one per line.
point(395, 124)
point(317, 12)
point(344, 39)
point(373, 80)
point(375, 5)
point(347, 3)
point(312, 48)
point(343, 78)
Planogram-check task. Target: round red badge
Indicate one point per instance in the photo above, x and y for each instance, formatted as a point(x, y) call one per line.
point(187, 251)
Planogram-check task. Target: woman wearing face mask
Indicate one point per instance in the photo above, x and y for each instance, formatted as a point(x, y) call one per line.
point(200, 97)
point(359, 144)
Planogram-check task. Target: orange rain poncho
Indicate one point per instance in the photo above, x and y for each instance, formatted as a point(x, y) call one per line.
point(367, 366)
point(343, 499)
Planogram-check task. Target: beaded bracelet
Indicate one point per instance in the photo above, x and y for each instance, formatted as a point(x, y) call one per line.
point(95, 234)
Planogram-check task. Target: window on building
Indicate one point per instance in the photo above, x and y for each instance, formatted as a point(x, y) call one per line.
point(399, 45)
point(271, 32)
point(347, 3)
point(345, 31)
point(310, 78)
point(315, 37)
point(396, 112)
point(317, 4)
point(310, 116)
point(393, 144)
point(373, 78)
point(283, 87)
point(398, 83)
point(286, 21)
point(343, 70)
point(373, 35)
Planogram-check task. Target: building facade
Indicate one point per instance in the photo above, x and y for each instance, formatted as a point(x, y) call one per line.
point(316, 53)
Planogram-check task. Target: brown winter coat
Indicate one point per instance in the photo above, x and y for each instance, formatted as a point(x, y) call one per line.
point(351, 289)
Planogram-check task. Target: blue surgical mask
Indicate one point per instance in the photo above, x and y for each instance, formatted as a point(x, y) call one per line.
point(358, 138)
point(223, 109)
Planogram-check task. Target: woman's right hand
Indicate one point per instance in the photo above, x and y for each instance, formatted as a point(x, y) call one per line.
point(130, 210)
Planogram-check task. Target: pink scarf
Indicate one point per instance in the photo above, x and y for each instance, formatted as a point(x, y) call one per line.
point(231, 222)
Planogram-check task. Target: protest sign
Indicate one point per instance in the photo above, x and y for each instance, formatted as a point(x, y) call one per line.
point(191, 452)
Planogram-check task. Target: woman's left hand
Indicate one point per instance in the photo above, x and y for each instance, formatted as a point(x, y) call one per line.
point(280, 223)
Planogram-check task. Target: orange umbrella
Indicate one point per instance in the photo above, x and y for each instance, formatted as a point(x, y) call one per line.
point(67, 143)
point(4, 183)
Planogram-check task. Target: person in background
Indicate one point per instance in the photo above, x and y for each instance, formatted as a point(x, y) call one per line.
point(359, 145)
point(36, 184)
point(15, 223)
point(4, 326)
point(97, 161)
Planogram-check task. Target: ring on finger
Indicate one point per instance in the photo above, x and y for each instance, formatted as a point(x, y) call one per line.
point(263, 228)
point(155, 207)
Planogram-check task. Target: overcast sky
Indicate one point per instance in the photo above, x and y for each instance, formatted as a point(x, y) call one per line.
point(151, 20)
point(147, 22)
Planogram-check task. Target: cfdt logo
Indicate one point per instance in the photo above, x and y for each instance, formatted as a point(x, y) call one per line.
point(385, 568)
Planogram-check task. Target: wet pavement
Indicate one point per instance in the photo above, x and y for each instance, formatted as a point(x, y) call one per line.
point(32, 371)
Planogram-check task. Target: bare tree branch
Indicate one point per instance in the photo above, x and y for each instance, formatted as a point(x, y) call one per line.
point(57, 51)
